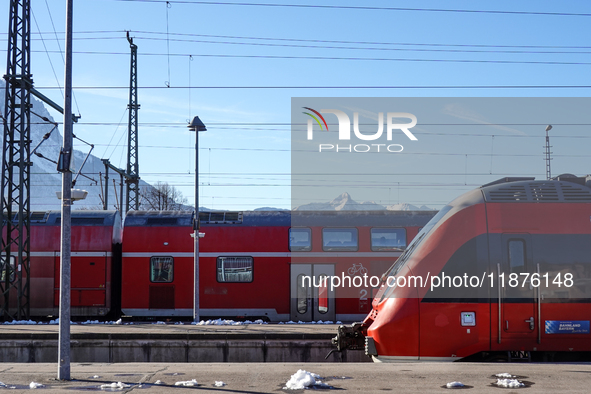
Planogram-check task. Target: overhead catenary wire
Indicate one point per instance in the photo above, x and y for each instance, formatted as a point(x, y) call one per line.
point(367, 42)
point(349, 58)
point(241, 174)
point(323, 184)
point(119, 37)
point(521, 51)
point(177, 147)
point(339, 87)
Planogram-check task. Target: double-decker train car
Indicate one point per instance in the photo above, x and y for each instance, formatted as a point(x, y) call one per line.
point(502, 271)
point(253, 264)
point(260, 264)
point(95, 264)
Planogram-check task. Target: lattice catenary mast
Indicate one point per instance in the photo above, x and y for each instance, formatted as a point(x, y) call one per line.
point(133, 171)
point(16, 163)
point(548, 153)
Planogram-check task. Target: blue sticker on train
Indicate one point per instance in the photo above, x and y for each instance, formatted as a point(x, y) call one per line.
point(567, 327)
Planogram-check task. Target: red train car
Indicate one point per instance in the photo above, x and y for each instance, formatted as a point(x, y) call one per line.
point(505, 271)
point(254, 264)
point(96, 240)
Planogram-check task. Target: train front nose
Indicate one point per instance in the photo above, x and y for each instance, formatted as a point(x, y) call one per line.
point(394, 333)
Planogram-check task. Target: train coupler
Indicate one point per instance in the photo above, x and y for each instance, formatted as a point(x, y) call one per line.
point(349, 337)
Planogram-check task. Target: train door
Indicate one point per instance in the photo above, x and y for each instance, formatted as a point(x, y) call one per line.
point(311, 296)
point(87, 279)
point(518, 295)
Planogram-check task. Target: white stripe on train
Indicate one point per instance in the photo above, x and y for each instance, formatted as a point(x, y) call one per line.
point(264, 254)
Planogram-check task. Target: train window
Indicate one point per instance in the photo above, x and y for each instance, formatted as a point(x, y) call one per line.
point(232, 217)
point(302, 294)
point(517, 255)
point(11, 269)
point(323, 295)
point(388, 239)
point(300, 239)
point(339, 239)
point(158, 221)
point(234, 269)
point(161, 269)
point(216, 216)
point(82, 221)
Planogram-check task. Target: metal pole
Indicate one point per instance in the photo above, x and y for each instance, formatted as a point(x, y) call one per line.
point(106, 187)
point(196, 233)
point(121, 193)
point(548, 158)
point(64, 310)
point(197, 126)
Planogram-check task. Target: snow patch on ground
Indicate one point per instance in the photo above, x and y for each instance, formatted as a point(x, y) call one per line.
point(504, 375)
point(118, 386)
point(187, 383)
point(21, 322)
point(34, 385)
point(454, 384)
point(303, 379)
point(512, 383)
point(311, 322)
point(219, 384)
point(57, 321)
point(222, 322)
point(217, 322)
point(158, 381)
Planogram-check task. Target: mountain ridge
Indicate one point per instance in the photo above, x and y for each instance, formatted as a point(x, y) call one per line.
point(344, 202)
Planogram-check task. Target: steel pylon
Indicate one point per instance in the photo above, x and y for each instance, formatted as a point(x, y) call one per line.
point(16, 163)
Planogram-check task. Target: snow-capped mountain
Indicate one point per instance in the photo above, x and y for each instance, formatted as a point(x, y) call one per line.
point(407, 207)
point(344, 202)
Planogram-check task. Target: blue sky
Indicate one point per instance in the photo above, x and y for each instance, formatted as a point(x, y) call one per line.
point(245, 156)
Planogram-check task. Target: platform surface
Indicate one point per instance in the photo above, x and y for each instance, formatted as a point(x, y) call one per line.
point(176, 330)
point(253, 378)
point(170, 343)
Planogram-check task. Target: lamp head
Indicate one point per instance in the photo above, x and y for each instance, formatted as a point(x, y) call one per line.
point(549, 127)
point(197, 125)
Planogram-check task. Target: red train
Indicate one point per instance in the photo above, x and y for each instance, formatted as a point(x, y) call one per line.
point(253, 264)
point(95, 275)
point(503, 271)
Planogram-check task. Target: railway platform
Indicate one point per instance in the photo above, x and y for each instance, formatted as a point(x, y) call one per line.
point(247, 378)
point(188, 343)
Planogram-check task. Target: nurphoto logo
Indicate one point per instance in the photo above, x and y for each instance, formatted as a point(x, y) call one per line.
point(345, 131)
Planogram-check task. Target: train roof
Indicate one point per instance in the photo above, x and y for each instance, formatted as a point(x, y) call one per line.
point(79, 218)
point(563, 188)
point(281, 218)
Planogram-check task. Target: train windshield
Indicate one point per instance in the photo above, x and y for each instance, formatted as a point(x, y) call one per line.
point(403, 259)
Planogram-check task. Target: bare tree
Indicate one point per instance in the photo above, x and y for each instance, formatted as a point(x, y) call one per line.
point(162, 197)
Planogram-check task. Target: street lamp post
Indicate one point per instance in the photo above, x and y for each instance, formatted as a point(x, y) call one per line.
point(196, 125)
